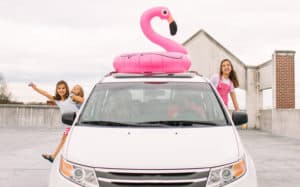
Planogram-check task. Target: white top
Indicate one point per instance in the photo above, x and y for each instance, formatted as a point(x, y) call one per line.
point(215, 80)
point(66, 106)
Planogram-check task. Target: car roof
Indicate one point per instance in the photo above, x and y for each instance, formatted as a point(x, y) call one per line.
point(154, 77)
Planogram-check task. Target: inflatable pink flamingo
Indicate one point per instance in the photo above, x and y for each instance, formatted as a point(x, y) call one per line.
point(175, 60)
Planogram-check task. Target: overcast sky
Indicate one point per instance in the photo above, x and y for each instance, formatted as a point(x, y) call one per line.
point(76, 40)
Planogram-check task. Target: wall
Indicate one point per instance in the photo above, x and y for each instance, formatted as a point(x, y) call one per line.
point(30, 116)
point(284, 92)
point(251, 98)
point(265, 79)
point(265, 120)
point(286, 122)
point(282, 122)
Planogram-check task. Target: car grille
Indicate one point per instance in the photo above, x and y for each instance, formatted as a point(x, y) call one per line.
point(156, 178)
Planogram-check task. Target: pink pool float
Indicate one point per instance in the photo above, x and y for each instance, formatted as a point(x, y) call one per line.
point(174, 60)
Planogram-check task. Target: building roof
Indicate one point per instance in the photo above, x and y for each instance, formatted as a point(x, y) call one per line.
point(201, 31)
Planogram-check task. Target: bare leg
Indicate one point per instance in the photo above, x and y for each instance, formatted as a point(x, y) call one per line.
point(58, 148)
point(60, 145)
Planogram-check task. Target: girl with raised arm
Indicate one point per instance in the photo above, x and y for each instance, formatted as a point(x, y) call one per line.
point(66, 102)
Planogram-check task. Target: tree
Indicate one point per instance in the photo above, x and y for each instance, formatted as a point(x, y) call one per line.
point(5, 95)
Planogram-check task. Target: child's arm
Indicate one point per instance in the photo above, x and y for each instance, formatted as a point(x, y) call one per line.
point(234, 101)
point(214, 80)
point(77, 99)
point(40, 91)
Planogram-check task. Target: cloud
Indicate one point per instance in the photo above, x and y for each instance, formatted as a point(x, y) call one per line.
point(45, 41)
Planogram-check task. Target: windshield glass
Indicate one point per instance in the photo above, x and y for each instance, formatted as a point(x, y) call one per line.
point(142, 103)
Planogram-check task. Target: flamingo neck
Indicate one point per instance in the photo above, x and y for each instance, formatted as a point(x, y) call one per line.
point(167, 44)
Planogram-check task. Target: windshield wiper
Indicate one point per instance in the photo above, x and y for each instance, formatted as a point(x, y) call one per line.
point(185, 123)
point(110, 123)
point(150, 124)
point(121, 124)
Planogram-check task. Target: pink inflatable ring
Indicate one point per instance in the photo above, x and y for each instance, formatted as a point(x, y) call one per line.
point(155, 62)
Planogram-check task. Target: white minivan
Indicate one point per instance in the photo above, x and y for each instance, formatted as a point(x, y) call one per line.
point(154, 130)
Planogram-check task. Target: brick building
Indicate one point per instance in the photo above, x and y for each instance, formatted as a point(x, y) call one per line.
point(277, 74)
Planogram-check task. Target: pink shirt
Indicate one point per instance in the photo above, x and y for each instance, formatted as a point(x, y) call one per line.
point(224, 87)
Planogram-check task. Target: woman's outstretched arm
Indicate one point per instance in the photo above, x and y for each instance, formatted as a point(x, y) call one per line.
point(40, 91)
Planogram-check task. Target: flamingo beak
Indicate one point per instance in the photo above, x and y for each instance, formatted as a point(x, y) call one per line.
point(173, 26)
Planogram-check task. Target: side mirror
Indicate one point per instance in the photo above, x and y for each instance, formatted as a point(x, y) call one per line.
point(68, 118)
point(239, 118)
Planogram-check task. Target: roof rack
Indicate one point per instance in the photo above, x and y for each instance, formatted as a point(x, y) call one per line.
point(196, 72)
point(189, 74)
point(150, 74)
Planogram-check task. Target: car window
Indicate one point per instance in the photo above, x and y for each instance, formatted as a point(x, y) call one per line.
point(143, 102)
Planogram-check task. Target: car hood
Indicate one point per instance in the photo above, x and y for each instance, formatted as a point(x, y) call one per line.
point(152, 148)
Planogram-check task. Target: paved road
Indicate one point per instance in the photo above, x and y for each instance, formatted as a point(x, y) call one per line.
point(277, 159)
point(20, 156)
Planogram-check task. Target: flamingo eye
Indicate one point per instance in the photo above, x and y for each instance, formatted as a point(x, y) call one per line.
point(164, 12)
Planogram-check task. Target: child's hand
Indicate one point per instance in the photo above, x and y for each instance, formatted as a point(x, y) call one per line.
point(32, 85)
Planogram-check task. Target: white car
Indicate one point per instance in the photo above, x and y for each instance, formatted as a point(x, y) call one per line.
point(154, 130)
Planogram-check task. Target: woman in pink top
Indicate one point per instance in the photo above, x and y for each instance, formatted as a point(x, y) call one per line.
point(226, 82)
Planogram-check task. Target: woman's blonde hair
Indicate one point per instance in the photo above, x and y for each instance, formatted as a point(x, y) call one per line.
point(81, 92)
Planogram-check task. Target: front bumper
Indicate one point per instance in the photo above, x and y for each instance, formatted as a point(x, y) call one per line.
point(248, 180)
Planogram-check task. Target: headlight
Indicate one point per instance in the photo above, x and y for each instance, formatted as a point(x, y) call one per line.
point(81, 175)
point(227, 174)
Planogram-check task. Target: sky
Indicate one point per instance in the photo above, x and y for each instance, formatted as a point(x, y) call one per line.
point(76, 40)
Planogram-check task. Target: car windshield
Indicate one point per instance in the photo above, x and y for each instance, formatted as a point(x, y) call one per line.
point(153, 104)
